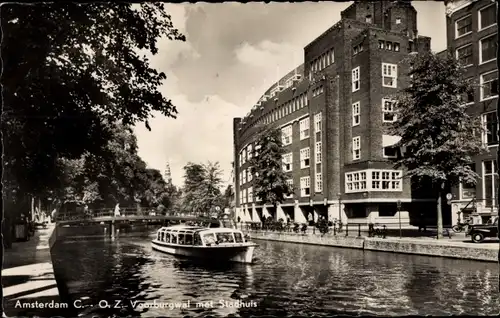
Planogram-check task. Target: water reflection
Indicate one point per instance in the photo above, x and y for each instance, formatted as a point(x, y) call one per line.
point(289, 279)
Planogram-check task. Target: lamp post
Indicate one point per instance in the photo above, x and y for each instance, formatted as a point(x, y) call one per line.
point(399, 214)
point(340, 207)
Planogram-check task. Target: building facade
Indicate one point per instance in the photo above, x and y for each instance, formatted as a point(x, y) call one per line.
point(472, 38)
point(334, 111)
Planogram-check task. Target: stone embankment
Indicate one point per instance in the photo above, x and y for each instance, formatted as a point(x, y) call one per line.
point(487, 251)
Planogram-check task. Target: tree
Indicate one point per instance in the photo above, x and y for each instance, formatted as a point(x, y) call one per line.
point(228, 197)
point(210, 188)
point(439, 134)
point(270, 181)
point(69, 70)
point(194, 176)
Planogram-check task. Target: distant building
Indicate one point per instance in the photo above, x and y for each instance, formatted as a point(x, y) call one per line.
point(472, 38)
point(333, 111)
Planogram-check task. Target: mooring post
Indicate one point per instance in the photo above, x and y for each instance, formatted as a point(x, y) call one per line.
point(112, 229)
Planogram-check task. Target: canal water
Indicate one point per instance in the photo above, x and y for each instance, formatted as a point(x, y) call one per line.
point(287, 280)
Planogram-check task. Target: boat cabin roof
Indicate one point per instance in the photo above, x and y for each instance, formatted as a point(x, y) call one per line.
point(185, 229)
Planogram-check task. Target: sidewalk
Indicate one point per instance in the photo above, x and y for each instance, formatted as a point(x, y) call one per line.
point(28, 277)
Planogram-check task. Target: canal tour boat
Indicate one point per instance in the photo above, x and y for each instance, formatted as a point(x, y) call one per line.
point(214, 244)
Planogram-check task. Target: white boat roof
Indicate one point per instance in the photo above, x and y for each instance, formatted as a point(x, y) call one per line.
point(194, 229)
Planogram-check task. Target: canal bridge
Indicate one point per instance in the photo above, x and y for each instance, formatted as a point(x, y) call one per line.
point(125, 216)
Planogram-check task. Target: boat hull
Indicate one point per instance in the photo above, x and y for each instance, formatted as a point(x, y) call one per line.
point(238, 253)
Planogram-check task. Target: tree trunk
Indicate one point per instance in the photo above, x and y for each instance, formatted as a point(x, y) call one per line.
point(440, 212)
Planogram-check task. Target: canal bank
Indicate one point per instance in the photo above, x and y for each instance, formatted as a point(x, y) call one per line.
point(29, 283)
point(452, 249)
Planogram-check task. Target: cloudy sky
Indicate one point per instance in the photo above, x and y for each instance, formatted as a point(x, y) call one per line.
point(233, 53)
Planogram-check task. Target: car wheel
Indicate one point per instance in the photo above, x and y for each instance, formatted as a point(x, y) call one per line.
point(477, 237)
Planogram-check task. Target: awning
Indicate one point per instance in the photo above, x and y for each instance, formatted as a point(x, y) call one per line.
point(280, 214)
point(255, 215)
point(299, 215)
point(388, 140)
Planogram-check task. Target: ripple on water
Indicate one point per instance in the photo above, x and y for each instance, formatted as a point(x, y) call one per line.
point(288, 280)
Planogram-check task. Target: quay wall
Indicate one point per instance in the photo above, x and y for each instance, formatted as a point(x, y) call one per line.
point(478, 252)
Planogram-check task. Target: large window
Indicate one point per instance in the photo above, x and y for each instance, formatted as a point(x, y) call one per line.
point(487, 16)
point(318, 152)
point(244, 176)
point(463, 26)
point(288, 162)
point(317, 122)
point(355, 114)
point(389, 75)
point(488, 49)
point(373, 180)
point(319, 182)
point(249, 149)
point(304, 128)
point(489, 85)
point(286, 135)
point(464, 55)
point(305, 186)
point(388, 111)
point(305, 155)
point(468, 190)
point(250, 195)
point(490, 123)
point(355, 79)
point(356, 148)
point(490, 182)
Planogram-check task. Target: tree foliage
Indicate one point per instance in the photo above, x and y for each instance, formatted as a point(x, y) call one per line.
point(437, 129)
point(434, 121)
point(202, 187)
point(267, 167)
point(69, 70)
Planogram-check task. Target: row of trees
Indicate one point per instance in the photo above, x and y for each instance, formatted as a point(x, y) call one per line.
point(435, 124)
point(75, 79)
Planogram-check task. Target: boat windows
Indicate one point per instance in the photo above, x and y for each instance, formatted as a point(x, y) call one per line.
point(181, 239)
point(188, 239)
point(238, 237)
point(167, 237)
point(197, 239)
point(225, 238)
point(209, 239)
point(160, 236)
point(173, 238)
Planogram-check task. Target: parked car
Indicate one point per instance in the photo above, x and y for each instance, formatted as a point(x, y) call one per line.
point(478, 232)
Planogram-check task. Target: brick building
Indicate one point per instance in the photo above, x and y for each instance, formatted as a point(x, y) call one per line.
point(472, 38)
point(333, 111)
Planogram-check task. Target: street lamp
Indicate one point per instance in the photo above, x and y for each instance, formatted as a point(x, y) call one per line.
point(399, 214)
point(340, 207)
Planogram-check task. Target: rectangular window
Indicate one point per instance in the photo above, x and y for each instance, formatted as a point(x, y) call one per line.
point(356, 114)
point(318, 151)
point(249, 175)
point(355, 182)
point(388, 111)
point(356, 148)
point(355, 50)
point(464, 55)
point(241, 178)
point(305, 155)
point(396, 47)
point(355, 79)
point(463, 26)
point(489, 85)
point(490, 124)
point(241, 158)
point(317, 122)
point(319, 182)
point(331, 56)
point(288, 162)
point(304, 128)
point(488, 49)
point(490, 182)
point(381, 44)
point(250, 195)
point(388, 46)
point(289, 182)
point(244, 199)
point(241, 196)
point(286, 135)
point(244, 155)
point(244, 176)
point(389, 75)
point(487, 16)
point(469, 96)
point(305, 186)
point(390, 152)
point(249, 149)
